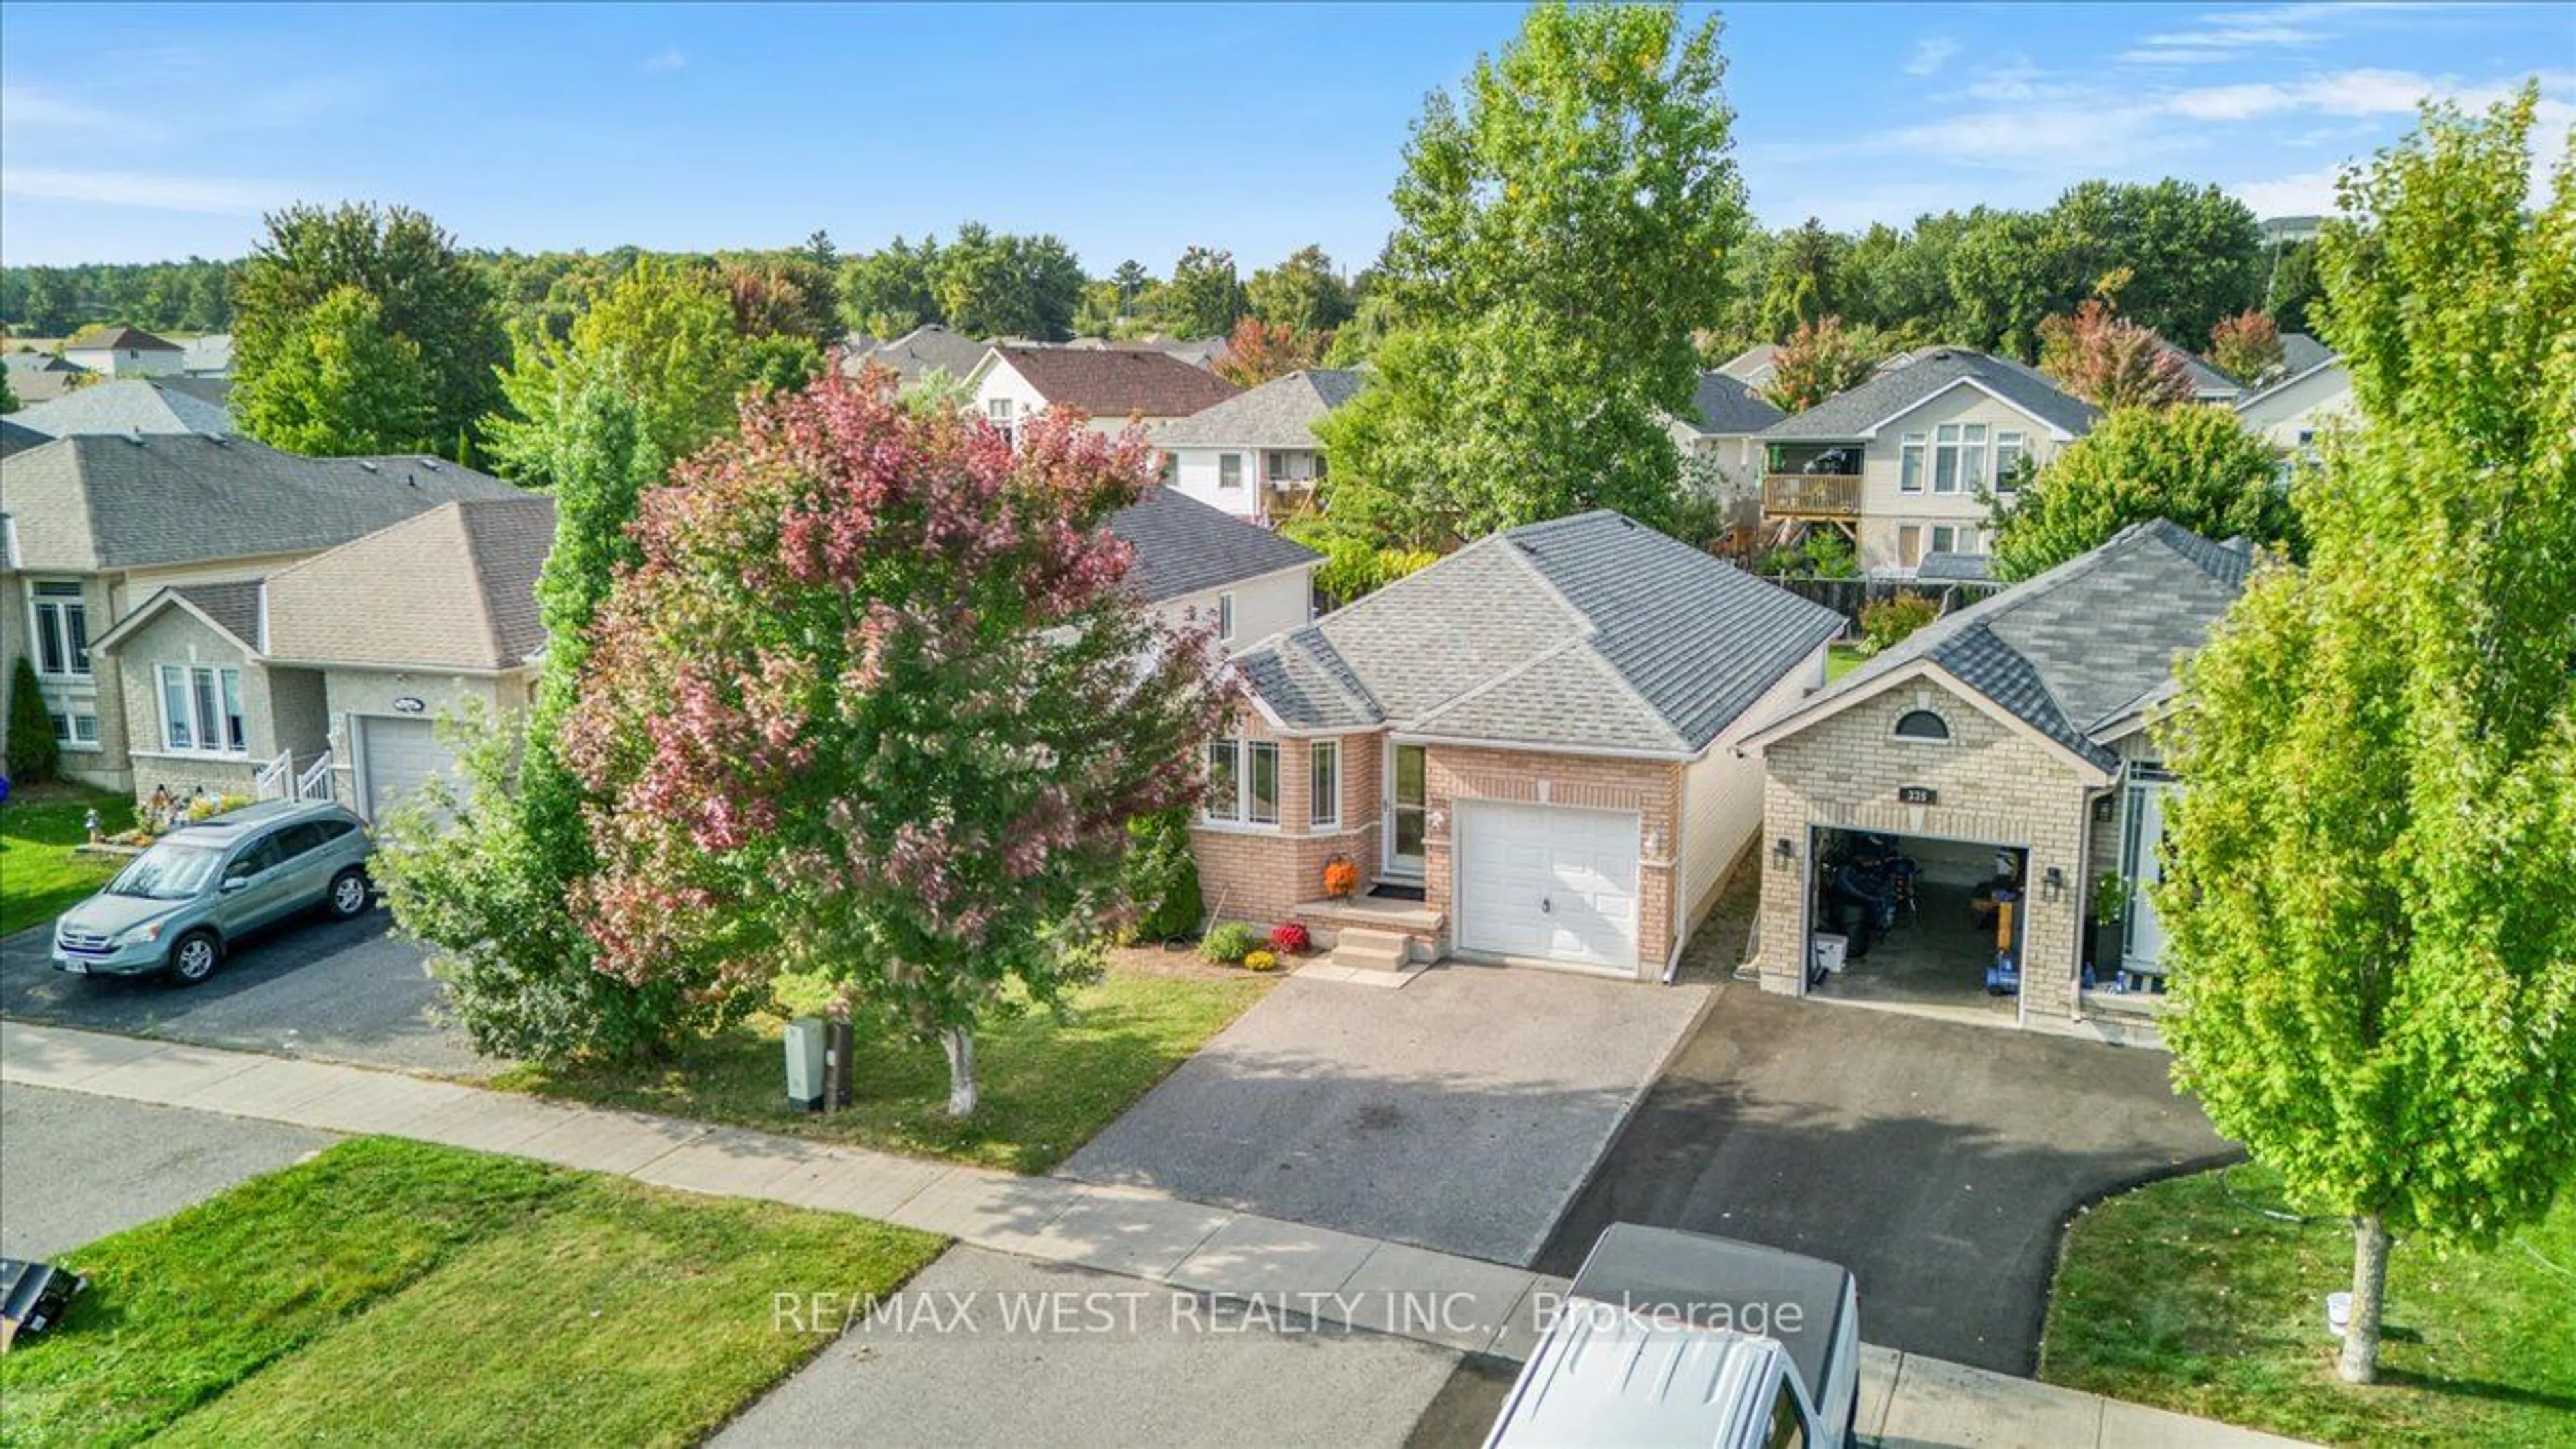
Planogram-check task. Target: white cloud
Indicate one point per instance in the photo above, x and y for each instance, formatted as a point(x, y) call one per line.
point(26, 109)
point(142, 189)
point(1931, 53)
point(665, 61)
point(2342, 93)
point(2309, 193)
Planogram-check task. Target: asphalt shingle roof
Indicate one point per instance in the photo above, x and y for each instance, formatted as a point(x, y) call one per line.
point(89, 503)
point(1725, 405)
point(1589, 631)
point(128, 405)
point(121, 339)
point(1852, 413)
point(455, 587)
point(2299, 352)
point(918, 351)
point(1117, 382)
point(15, 435)
point(1281, 413)
point(233, 606)
point(2081, 645)
point(1184, 546)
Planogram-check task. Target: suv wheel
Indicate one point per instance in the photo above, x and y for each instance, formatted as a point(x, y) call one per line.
point(195, 956)
point(348, 896)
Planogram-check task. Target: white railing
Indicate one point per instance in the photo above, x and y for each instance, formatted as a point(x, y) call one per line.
point(315, 782)
point(271, 781)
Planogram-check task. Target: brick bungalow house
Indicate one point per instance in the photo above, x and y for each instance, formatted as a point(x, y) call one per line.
point(2007, 746)
point(1527, 749)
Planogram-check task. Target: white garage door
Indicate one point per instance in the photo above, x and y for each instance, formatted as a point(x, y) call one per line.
point(1547, 882)
point(396, 757)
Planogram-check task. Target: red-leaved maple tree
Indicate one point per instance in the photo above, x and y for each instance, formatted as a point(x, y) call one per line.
point(876, 706)
point(2110, 361)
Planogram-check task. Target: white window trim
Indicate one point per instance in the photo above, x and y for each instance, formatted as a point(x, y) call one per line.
point(1951, 738)
point(1963, 479)
point(1324, 807)
point(1911, 447)
point(38, 606)
point(188, 686)
point(2020, 449)
point(1225, 617)
point(1241, 820)
point(1222, 459)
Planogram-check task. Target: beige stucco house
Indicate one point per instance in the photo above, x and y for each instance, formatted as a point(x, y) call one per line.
point(93, 527)
point(1719, 439)
point(2292, 413)
point(1255, 455)
point(124, 352)
point(1526, 750)
point(1905, 464)
point(2007, 754)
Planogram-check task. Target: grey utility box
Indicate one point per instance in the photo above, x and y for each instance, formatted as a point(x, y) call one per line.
point(805, 1066)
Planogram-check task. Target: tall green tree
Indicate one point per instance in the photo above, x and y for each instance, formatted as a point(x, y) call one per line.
point(341, 383)
point(1805, 282)
point(994, 285)
point(1303, 294)
point(892, 290)
point(485, 871)
point(1564, 228)
point(1131, 279)
point(2194, 253)
point(1204, 296)
point(663, 338)
point(2293, 289)
point(426, 292)
point(2196, 466)
point(878, 706)
point(2368, 888)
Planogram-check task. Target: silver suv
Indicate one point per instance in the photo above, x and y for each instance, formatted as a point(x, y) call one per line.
point(182, 903)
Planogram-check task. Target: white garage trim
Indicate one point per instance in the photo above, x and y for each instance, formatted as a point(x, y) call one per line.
point(1552, 884)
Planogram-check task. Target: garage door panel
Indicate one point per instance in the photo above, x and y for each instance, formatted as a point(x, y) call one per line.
point(400, 756)
point(1548, 882)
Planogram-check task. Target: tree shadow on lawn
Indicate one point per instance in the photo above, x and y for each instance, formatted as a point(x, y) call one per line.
point(1046, 1085)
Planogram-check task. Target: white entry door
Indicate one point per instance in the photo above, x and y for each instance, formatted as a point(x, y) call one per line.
point(396, 757)
point(1547, 882)
point(2144, 865)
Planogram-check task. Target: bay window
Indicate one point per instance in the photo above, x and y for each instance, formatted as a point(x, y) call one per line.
point(201, 710)
point(1324, 781)
point(1243, 782)
point(1958, 457)
point(1224, 781)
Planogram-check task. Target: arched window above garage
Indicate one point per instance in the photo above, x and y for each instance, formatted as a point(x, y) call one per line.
point(1921, 724)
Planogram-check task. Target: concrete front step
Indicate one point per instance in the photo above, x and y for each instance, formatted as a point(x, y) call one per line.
point(1373, 950)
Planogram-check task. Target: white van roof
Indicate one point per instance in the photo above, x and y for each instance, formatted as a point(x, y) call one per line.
point(1608, 1377)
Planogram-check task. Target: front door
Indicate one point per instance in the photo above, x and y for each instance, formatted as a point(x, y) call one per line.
point(1405, 799)
point(2144, 865)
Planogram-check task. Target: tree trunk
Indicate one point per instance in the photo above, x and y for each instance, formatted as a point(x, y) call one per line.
point(2360, 1362)
point(960, 1047)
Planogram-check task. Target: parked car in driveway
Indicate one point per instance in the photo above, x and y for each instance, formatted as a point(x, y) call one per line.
point(1674, 1338)
point(181, 904)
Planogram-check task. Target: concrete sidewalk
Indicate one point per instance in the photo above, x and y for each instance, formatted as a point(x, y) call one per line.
point(1461, 1304)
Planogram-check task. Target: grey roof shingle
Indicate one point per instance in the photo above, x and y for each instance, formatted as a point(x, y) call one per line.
point(89, 503)
point(1947, 567)
point(1916, 377)
point(1280, 413)
point(915, 353)
point(15, 435)
point(1110, 383)
point(1590, 631)
point(120, 339)
point(455, 587)
point(233, 606)
point(1725, 405)
point(128, 405)
point(2299, 352)
point(1184, 546)
point(2078, 647)
point(1754, 365)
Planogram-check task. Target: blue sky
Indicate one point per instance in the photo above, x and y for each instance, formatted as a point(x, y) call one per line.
point(132, 134)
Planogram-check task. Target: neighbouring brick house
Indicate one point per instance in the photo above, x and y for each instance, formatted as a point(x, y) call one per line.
point(1528, 749)
point(2013, 739)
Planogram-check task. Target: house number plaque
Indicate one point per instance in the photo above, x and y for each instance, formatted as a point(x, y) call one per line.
point(1917, 795)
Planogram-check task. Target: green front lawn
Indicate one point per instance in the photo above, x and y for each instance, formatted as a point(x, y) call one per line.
point(2175, 1296)
point(40, 877)
point(392, 1292)
point(1842, 659)
point(1047, 1085)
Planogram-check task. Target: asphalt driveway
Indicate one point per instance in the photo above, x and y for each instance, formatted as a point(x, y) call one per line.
point(334, 990)
point(1460, 1113)
point(74, 1168)
point(1938, 1161)
point(1001, 1350)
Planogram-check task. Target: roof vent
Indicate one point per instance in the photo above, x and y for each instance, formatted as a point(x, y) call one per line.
point(134, 436)
point(369, 464)
point(430, 463)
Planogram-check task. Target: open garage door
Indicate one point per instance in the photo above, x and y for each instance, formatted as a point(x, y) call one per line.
point(1918, 919)
point(1547, 883)
point(396, 757)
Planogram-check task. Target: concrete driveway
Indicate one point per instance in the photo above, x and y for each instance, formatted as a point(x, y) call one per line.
point(1938, 1161)
point(1127, 1363)
point(1460, 1113)
point(74, 1167)
point(335, 990)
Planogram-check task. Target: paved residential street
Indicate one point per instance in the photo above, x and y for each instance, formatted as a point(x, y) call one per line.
point(1937, 1161)
point(1459, 1113)
point(76, 1167)
point(334, 991)
point(1173, 1373)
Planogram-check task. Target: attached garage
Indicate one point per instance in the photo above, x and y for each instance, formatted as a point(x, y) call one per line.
point(1547, 883)
point(396, 756)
